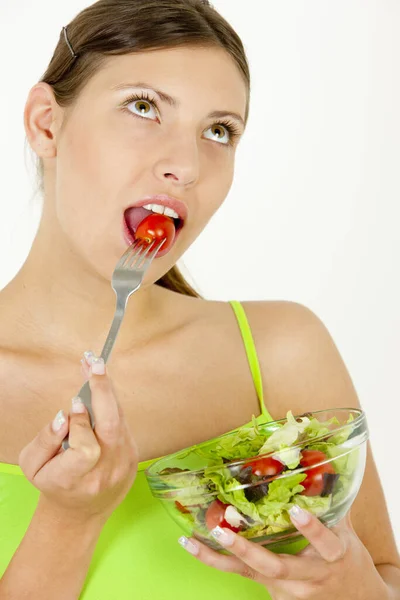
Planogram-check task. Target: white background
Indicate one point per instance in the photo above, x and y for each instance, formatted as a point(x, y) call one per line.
point(318, 169)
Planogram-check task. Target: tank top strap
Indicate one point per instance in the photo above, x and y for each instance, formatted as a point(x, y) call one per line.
point(251, 353)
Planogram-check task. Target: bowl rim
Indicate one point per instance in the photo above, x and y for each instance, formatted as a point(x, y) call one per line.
point(357, 420)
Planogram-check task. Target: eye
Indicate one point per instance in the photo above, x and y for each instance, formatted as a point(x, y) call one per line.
point(141, 107)
point(219, 133)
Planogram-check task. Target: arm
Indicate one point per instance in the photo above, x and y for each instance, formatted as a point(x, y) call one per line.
point(80, 488)
point(303, 370)
point(52, 560)
point(391, 576)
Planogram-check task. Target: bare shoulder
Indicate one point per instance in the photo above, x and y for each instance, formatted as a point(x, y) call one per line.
point(301, 367)
point(301, 364)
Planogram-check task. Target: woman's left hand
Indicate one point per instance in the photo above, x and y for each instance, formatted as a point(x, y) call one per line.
point(335, 565)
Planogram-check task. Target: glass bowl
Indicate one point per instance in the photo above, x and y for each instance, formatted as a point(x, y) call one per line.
point(249, 478)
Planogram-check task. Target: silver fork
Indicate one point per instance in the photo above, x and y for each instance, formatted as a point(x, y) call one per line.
point(126, 279)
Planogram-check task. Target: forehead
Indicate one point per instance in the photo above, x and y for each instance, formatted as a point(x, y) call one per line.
point(193, 73)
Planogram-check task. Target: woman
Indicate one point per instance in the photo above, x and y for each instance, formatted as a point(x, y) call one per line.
point(145, 101)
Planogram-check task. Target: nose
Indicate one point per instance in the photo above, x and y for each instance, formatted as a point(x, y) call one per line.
point(179, 163)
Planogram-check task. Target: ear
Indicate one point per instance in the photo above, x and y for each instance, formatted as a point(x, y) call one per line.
point(42, 116)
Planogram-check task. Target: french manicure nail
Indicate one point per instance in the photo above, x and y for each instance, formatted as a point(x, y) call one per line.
point(77, 405)
point(98, 366)
point(302, 517)
point(88, 356)
point(188, 545)
point(225, 538)
point(58, 421)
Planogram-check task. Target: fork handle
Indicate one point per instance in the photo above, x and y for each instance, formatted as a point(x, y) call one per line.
point(85, 393)
point(115, 325)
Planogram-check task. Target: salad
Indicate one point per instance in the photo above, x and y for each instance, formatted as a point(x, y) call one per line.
point(255, 476)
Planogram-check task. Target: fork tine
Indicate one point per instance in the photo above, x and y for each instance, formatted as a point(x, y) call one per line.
point(138, 260)
point(133, 250)
point(137, 257)
point(153, 253)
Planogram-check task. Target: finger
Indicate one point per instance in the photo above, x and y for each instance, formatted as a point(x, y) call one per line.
point(104, 403)
point(269, 564)
point(85, 369)
point(222, 562)
point(328, 544)
point(84, 450)
point(44, 446)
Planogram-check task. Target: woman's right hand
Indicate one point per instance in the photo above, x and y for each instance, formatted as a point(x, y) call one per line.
point(92, 477)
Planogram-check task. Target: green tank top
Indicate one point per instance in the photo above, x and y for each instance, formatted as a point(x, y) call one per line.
point(137, 556)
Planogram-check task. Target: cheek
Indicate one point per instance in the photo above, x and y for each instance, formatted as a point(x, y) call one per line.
point(218, 172)
point(97, 165)
point(95, 155)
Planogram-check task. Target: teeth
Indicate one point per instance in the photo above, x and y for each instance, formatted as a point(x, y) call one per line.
point(162, 210)
point(156, 208)
point(170, 213)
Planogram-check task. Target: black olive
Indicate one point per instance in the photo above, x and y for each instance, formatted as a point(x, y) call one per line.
point(256, 492)
point(329, 483)
point(244, 476)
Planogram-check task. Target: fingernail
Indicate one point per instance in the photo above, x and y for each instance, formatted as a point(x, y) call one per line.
point(302, 517)
point(77, 405)
point(98, 366)
point(225, 538)
point(88, 356)
point(188, 545)
point(58, 421)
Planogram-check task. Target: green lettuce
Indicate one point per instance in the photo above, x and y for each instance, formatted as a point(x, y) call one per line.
point(287, 435)
point(229, 491)
point(247, 442)
point(190, 488)
point(315, 504)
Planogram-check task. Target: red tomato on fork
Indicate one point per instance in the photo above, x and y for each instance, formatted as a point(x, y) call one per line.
point(157, 227)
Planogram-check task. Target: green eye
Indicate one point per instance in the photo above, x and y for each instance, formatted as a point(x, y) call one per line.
point(219, 133)
point(143, 107)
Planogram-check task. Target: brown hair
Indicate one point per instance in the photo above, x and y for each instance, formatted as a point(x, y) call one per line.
point(116, 27)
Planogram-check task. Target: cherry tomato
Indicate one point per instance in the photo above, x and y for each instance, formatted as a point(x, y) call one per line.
point(314, 481)
point(266, 467)
point(215, 515)
point(157, 227)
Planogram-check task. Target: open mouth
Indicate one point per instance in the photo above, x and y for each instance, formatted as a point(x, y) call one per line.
point(135, 215)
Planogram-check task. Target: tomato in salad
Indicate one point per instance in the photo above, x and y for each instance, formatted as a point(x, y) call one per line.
point(314, 482)
point(215, 516)
point(157, 227)
point(266, 467)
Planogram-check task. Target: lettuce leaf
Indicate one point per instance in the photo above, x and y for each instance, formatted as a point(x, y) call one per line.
point(315, 504)
point(287, 435)
point(246, 443)
point(230, 491)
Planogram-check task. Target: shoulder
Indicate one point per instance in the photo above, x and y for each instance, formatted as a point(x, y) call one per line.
point(287, 328)
point(301, 365)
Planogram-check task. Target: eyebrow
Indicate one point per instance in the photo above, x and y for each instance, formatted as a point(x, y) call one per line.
point(216, 114)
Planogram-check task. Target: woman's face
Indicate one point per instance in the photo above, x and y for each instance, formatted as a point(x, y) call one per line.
point(113, 151)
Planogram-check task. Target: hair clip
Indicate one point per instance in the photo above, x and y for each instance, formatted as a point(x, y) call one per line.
point(69, 43)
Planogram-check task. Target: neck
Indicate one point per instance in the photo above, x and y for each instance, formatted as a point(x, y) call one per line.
point(57, 302)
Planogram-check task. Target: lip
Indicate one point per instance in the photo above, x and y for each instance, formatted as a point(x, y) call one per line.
point(177, 205)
